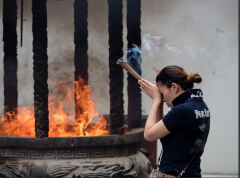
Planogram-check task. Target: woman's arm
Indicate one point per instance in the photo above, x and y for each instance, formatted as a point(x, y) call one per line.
point(160, 110)
point(154, 127)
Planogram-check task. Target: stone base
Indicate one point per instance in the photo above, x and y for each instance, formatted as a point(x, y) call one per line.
point(101, 156)
point(136, 165)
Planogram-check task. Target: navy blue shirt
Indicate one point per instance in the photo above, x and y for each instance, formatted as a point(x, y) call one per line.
point(187, 121)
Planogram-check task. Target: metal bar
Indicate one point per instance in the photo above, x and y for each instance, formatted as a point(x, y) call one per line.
point(81, 48)
point(21, 28)
point(10, 56)
point(134, 37)
point(115, 71)
point(40, 67)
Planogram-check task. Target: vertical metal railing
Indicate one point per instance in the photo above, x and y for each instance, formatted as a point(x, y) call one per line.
point(40, 67)
point(115, 30)
point(10, 56)
point(134, 37)
point(81, 46)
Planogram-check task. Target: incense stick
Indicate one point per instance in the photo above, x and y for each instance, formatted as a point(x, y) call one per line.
point(128, 68)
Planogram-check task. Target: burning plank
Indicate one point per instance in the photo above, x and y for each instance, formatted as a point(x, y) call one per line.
point(129, 69)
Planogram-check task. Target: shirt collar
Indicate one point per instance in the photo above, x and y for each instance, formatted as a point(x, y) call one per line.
point(193, 93)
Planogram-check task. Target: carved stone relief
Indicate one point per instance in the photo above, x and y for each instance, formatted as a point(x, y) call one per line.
point(60, 170)
point(73, 153)
point(84, 169)
point(107, 168)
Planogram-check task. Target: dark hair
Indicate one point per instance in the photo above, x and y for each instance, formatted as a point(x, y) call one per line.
point(175, 74)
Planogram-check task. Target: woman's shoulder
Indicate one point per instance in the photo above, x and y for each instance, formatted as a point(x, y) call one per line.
point(180, 108)
point(177, 118)
point(178, 111)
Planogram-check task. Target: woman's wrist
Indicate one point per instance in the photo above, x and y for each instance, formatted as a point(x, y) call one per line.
point(156, 101)
point(161, 103)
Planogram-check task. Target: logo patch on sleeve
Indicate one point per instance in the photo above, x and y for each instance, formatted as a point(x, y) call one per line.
point(202, 127)
point(202, 114)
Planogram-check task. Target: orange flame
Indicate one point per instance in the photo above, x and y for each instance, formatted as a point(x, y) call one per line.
point(62, 123)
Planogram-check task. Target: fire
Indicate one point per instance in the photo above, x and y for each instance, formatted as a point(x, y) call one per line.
point(24, 126)
point(62, 122)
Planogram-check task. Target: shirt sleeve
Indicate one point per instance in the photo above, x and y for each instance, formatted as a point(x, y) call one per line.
point(176, 119)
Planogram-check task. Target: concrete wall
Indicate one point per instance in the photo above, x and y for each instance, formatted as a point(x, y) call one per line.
point(212, 25)
point(205, 31)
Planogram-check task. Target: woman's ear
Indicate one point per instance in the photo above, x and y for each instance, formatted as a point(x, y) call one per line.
point(175, 87)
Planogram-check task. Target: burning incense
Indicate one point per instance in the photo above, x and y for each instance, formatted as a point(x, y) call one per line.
point(128, 68)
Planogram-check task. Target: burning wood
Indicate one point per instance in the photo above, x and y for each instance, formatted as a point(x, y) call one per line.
point(129, 69)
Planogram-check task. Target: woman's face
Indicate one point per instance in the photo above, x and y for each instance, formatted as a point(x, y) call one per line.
point(167, 93)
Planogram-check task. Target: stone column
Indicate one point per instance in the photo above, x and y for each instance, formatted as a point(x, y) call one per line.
point(134, 37)
point(81, 44)
point(40, 67)
point(10, 55)
point(116, 72)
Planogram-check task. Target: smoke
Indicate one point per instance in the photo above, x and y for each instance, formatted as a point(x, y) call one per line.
point(155, 47)
point(98, 72)
point(133, 58)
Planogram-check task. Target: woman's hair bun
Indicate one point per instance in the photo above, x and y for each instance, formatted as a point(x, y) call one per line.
point(197, 77)
point(193, 78)
point(176, 74)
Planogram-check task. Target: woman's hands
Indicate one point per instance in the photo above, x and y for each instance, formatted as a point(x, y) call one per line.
point(154, 127)
point(150, 89)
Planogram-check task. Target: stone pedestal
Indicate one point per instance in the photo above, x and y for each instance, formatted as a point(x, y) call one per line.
point(98, 156)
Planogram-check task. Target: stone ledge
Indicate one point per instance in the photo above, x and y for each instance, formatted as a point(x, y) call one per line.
point(135, 135)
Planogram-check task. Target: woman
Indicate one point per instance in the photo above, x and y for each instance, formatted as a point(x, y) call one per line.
point(182, 130)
